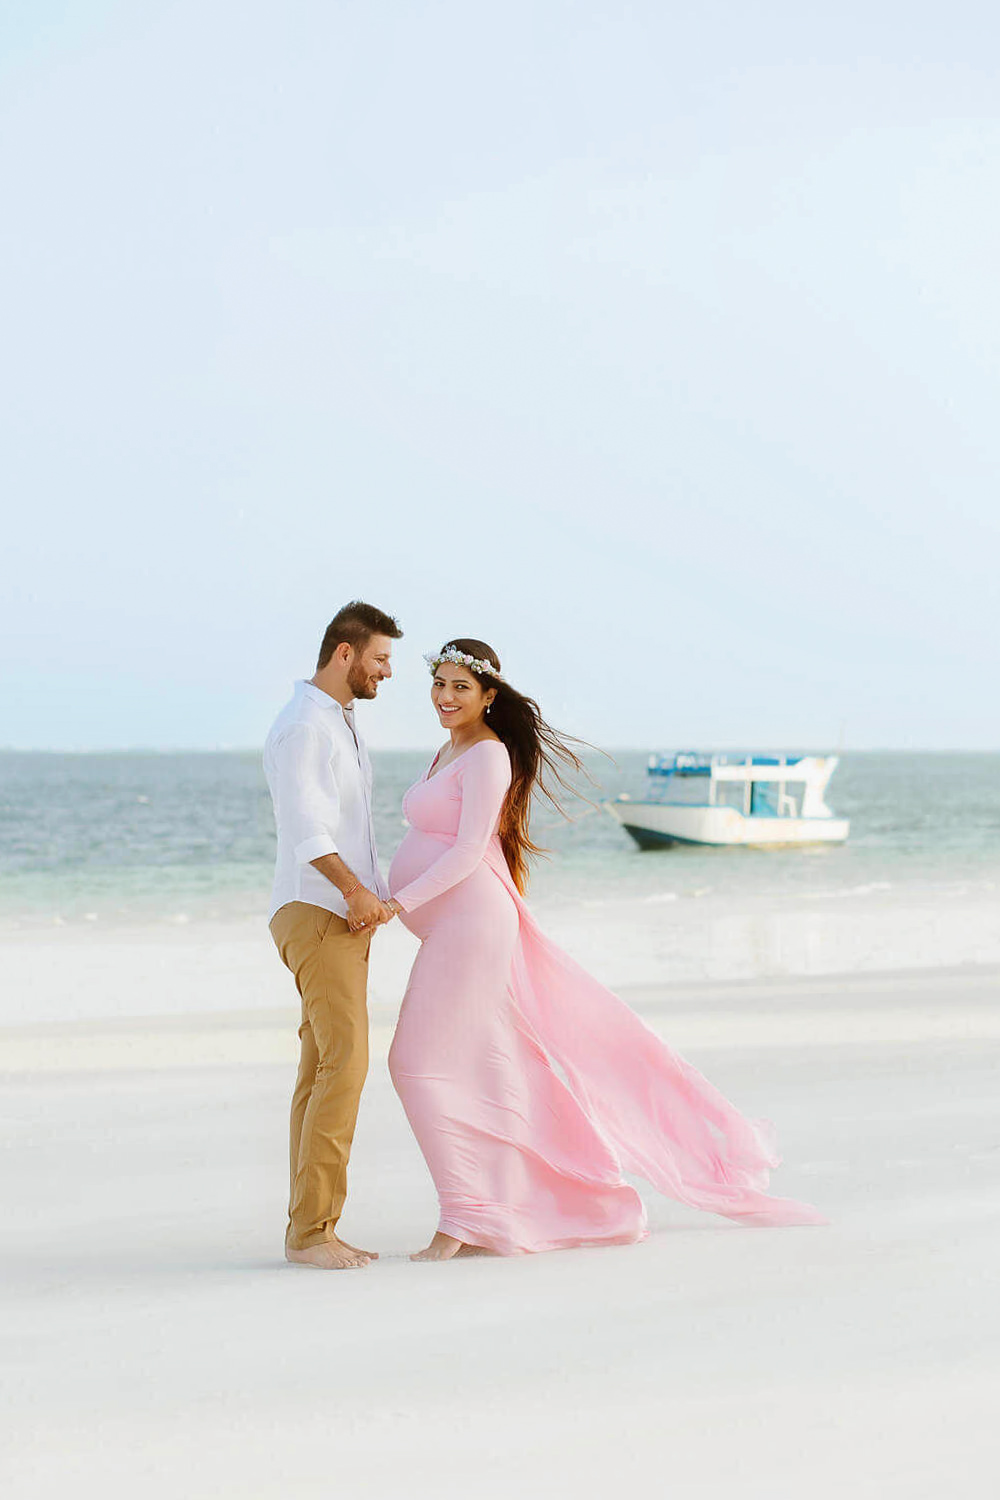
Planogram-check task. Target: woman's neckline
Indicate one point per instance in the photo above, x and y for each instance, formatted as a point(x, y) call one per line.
point(430, 773)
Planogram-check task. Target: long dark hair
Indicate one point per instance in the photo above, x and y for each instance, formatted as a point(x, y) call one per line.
point(538, 754)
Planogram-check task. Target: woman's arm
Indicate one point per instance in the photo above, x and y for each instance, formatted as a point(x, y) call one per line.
point(485, 777)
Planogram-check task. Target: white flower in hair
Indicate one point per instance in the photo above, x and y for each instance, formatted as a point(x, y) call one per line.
point(461, 659)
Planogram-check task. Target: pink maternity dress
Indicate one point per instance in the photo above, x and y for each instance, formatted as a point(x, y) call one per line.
point(525, 1157)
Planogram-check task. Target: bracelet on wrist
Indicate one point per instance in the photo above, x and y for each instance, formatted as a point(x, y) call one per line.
point(348, 894)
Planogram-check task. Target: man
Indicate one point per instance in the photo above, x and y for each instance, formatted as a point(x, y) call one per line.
point(328, 899)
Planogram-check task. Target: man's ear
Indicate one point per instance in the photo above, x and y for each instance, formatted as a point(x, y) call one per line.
point(344, 652)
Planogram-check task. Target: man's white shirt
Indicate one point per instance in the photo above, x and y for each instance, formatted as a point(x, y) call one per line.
point(320, 777)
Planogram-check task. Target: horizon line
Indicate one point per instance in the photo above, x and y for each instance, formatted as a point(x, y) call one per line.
point(425, 749)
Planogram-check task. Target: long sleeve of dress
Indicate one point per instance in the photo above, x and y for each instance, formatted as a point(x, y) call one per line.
point(485, 777)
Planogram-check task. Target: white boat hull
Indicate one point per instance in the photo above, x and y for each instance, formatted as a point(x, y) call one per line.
point(654, 824)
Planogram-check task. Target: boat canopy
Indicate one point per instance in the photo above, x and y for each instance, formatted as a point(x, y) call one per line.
point(744, 767)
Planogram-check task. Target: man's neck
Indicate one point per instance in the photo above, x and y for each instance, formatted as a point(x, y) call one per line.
point(337, 690)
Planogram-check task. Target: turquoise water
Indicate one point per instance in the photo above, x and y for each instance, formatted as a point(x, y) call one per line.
point(133, 837)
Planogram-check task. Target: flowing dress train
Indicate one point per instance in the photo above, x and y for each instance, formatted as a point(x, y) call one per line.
point(525, 1157)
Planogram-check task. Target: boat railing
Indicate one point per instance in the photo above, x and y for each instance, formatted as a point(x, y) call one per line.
point(762, 786)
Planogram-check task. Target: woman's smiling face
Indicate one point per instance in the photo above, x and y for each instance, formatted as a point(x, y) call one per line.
point(458, 697)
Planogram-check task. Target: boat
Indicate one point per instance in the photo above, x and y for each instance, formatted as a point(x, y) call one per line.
point(721, 800)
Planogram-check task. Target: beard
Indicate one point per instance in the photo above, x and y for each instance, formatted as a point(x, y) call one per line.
point(360, 682)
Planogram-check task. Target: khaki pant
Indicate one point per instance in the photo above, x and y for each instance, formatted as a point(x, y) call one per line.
point(330, 964)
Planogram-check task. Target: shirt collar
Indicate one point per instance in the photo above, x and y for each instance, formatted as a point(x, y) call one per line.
point(310, 690)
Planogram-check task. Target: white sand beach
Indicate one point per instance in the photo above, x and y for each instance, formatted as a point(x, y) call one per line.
point(157, 1345)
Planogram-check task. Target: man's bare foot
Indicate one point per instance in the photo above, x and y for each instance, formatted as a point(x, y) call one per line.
point(441, 1247)
point(371, 1254)
point(331, 1255)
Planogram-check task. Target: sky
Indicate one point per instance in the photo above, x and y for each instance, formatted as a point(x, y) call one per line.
point(655, 344)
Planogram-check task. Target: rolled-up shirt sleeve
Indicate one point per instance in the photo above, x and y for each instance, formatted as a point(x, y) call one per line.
point(307, 802)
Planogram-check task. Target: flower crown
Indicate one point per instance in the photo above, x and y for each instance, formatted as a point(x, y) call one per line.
point(461, 659)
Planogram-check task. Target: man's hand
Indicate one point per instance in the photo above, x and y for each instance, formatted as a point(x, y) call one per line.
point(364, 909)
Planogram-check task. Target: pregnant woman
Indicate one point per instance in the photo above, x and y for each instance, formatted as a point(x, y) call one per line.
point(529, 1086)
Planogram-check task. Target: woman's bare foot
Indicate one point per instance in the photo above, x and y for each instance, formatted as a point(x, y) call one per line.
point(441, 1247)
point(331, 1255)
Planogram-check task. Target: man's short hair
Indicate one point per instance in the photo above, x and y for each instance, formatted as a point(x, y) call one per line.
point(356, 623)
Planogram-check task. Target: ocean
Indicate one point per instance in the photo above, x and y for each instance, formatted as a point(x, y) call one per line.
point(126, 839)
